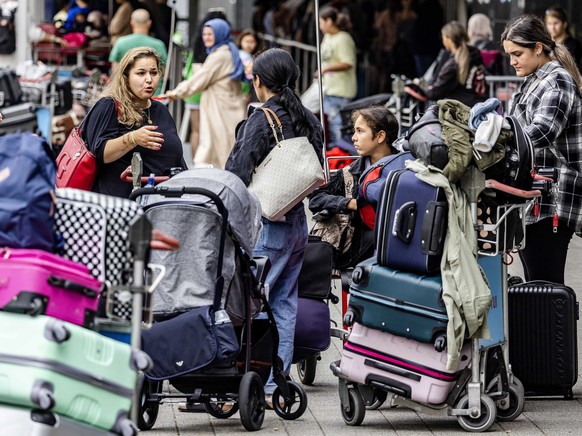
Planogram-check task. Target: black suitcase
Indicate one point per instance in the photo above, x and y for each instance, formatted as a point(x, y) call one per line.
point(19, 118)
point(543, 349)
point(411, 224)
point(10, 90)
point(316, 272)
point(39, 93)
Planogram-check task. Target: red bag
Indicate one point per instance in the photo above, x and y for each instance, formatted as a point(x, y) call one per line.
point(76, 165)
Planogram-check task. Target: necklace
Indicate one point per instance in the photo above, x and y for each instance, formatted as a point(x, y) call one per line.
point(149, 116)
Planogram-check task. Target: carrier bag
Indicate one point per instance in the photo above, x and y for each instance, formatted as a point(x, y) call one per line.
point(23, 421)
point(27, 180)
point(402, 303)
point(425, 139)
point(316, 272)
point(543, 336)
point(211, 336)
point(37, 282)
point(411, 224)
point(399, 365)
point(372, 181)
point(48, 364)
point(311, 328)
point(95, 229)
point(19, 118)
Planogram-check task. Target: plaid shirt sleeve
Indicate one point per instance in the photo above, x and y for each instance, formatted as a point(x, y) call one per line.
point(552, 115)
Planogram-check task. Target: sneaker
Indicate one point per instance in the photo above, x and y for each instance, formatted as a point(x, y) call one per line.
point(189, 407)
point(269, 402)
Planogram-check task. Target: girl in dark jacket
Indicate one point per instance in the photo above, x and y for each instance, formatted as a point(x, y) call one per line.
point(461, 75)
point(284, 241)
point(375, 129)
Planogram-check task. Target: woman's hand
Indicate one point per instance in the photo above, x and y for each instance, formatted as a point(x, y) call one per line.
point(353, 204)
point(148, 137)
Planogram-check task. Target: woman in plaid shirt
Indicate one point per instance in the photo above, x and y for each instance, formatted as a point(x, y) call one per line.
point(549, 106)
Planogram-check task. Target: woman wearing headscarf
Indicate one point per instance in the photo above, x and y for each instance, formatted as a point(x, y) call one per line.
point(222, 105)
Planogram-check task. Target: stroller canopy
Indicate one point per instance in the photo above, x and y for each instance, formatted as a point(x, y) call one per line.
point(244, 209)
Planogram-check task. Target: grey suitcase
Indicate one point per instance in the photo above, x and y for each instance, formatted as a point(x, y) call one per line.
point(21, 421)
point(18, 118)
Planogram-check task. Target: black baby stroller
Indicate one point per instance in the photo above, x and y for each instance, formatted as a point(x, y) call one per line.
point(205, 340)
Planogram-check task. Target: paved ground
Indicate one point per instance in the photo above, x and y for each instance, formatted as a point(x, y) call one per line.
point(323, 416)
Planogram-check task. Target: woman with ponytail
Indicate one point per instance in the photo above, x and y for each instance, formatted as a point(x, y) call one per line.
point(283, 241)
point(462, 74)
point(549, 107)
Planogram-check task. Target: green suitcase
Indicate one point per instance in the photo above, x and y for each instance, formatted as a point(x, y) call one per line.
point(49, 364)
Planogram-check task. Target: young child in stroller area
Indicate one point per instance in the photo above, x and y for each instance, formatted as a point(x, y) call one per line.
point(375, 129)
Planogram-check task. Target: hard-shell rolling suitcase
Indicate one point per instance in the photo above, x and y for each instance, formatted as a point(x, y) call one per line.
point(402, 303)
point(311, 328)
point(49, 364)
point(543, 349)
point(38, 282)
point(38, 92)
point(403, 366)
point(19, 118)
point(411, 224)
point(21, 421)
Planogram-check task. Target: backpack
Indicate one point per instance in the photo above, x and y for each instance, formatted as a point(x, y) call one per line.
point(476, 80)
point(372, 181)
point(425, 139)
point(7, 33)
point(27, 181)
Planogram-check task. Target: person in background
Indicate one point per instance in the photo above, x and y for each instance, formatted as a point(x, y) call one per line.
point(275, 75)
point(548, 105)
point(249, 45)
point(126, 119)
point(36, 34)
point(338, 68)
point(481, 37)
point(461, 75)
point(222, 105)
point(140, 26)
point(77, 15)
point(120, 23)
point(375, 129)
point(558, 25)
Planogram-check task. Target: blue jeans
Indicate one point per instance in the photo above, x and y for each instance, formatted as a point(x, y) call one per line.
point(284, 243)
point(331, 107)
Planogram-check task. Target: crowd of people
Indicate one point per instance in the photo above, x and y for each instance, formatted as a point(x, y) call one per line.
point(227, 77)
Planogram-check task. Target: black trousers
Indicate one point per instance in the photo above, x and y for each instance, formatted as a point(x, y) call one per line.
point(544, 255)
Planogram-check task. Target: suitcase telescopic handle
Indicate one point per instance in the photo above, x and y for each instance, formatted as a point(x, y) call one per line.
point(72, 286)
point(404, 221)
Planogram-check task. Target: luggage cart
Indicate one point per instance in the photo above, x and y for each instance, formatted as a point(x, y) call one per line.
point(486, 390)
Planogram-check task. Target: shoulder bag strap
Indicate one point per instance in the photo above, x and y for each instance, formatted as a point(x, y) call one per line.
point(80, 128)
point(268, 112)
point(348, 181)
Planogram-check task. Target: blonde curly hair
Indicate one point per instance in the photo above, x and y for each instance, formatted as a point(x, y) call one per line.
point(130, 114)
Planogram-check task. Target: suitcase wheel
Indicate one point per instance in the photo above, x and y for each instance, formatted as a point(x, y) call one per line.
point(57, 331)
point(43, 394)
point(440, 343)
point(125, 426)
point(352, 316)
point(140, 361)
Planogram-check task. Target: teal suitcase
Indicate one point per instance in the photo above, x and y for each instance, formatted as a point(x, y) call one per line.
point(402, 303)
point(49, 364)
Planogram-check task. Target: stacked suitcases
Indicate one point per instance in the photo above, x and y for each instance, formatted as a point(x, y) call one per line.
point(58, 374)
point(397, 342)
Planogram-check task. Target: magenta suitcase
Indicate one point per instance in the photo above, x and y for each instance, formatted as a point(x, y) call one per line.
point(39, 282)
point(402, 366)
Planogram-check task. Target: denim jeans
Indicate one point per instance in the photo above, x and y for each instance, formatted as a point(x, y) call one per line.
point(284, 243)
point(331, 107)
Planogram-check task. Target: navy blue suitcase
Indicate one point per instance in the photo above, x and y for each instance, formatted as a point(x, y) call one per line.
point(312, 328)
point(402, 303)
point(411, 224)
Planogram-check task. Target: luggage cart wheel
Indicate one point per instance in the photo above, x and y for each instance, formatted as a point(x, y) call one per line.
point(148, 406)
point(293, 407)
point(516, 400)
point(251, 401)
point(484, 421)
point(354, 411)
point(306, 370)
point(440, 343)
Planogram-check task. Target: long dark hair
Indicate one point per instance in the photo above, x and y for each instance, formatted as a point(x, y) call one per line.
point(527, 30)
point(339, 19)
point(279, 73)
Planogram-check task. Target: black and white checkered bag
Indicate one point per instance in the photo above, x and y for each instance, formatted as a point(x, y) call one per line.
point(95, 230)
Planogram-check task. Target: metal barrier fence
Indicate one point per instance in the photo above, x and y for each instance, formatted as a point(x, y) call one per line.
point(503, 88)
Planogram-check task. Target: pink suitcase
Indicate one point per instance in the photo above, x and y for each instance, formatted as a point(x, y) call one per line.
point(39, 282)
point(403, 366)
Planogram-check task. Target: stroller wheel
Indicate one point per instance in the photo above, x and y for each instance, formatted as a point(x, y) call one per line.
point(296, 405)
point(251, 401)
point(148, 407)
point(306, 370)
point(221, 409)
